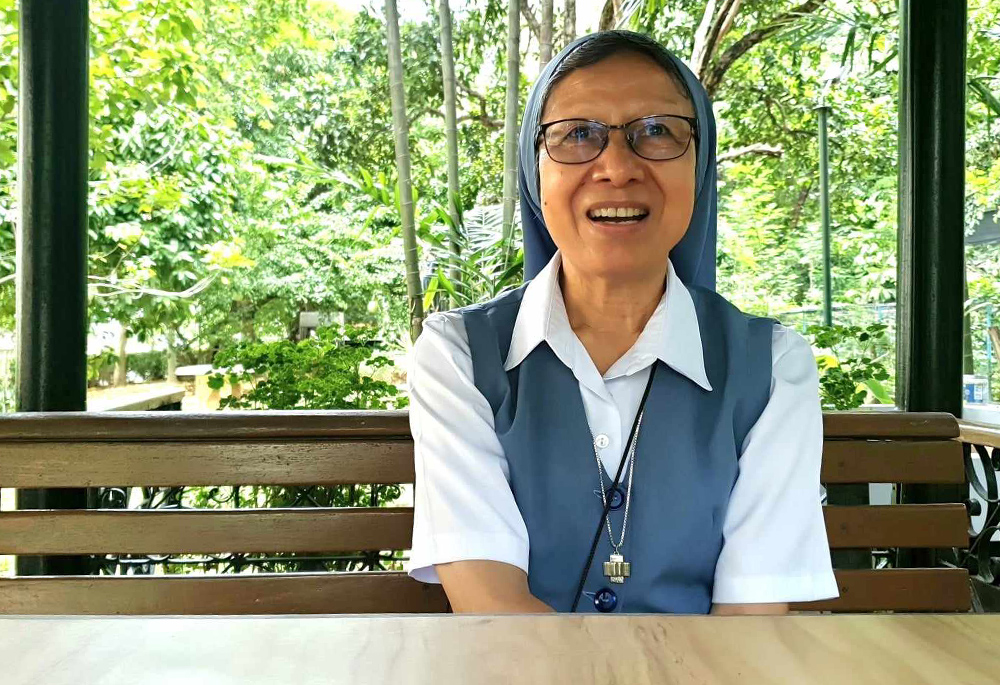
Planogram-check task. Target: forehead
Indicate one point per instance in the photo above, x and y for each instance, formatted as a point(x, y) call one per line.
point(617, 89)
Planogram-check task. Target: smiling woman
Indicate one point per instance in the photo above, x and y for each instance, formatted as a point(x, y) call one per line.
point(648, 165)
point(618, 353)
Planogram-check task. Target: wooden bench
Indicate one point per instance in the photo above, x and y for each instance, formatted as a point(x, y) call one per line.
point(335, 448)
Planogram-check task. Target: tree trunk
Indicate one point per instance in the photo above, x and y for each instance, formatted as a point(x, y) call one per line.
point(701, 36)
point(510, 122)
point(569, 25)
point(171, 355)
point(451, 130)
point(121, 367)
point(401, 130)
point(713, 28)
point(719, 63)
point(610, 14)
point(545, 49)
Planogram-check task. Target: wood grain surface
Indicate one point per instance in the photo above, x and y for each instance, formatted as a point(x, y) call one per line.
point(979, 434)
point(284, 425)
point(446, 650)
point(934, 589)
point(188, 531)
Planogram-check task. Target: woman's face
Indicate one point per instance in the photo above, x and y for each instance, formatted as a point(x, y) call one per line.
point(617, 90)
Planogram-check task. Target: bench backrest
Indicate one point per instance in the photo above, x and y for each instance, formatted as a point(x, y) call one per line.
point(340, 448)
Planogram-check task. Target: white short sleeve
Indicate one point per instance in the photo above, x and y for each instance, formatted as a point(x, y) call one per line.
point(463, 505)
point(775, 547)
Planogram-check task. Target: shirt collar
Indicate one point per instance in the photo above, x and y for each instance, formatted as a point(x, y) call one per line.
point(671, 335)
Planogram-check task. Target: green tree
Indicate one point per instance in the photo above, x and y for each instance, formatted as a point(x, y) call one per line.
point(451, 129)
point(511, 114)
point(401, 131)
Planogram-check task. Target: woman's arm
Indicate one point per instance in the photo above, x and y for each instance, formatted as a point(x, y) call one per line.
point(465, 519)
point(488, 587)
point(775, 547)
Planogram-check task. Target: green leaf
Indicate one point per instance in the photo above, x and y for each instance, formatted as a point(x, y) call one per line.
point(879, 391)
point(432, 288)
point(985, 95)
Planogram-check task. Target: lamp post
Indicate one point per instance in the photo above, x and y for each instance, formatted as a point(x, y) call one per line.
point(832, 75)
point(824, 205)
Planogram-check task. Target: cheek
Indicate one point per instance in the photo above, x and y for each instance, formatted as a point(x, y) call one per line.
point(678, 186)
point(557, 185)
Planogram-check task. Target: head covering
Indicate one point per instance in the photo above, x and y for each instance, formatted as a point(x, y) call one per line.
point(694, 256)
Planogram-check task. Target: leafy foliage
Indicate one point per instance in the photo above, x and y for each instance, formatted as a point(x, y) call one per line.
point(242, 169)
point(850, 365)
point(329, 371)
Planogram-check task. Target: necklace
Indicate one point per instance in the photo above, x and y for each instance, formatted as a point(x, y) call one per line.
point(616, 569)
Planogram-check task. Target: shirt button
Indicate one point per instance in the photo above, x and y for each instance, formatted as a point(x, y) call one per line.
point(601, 441)
point(605, 600)
point(615, 498)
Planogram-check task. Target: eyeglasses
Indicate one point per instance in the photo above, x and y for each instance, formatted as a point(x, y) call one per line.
point(658, 138)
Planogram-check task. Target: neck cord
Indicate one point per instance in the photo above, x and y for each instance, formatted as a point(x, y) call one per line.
point(607, 503)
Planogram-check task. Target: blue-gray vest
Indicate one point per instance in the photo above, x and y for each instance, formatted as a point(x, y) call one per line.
point(686, 460)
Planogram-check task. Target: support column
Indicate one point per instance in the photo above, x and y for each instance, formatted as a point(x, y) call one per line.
point(931, 252)
point(931, 205)
point(52, 233)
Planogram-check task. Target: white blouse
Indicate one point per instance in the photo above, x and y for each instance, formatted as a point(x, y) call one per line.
point(775, 546)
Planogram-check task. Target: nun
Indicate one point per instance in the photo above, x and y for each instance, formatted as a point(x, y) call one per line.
point(615, 436)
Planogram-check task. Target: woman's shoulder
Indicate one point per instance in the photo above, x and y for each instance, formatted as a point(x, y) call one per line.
point(789, 349)
point(442, 331)
point(720, 305)
point(506, 300)
point(447, 332)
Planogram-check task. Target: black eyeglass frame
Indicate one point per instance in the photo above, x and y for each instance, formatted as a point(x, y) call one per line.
point(540, 136)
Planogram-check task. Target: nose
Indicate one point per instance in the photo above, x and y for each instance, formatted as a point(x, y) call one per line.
point(618, 164)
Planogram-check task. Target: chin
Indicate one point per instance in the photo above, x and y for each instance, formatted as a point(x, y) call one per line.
point(626, 265)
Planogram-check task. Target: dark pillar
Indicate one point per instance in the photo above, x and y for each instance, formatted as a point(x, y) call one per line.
point(931, 205)
point(931, 215)
point(52, 233)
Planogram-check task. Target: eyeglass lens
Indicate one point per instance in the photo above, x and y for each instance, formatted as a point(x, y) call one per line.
point(656, 138)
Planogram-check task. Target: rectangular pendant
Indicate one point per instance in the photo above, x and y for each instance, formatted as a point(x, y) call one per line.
point(617, 569)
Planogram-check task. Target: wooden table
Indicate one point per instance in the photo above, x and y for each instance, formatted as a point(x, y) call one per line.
point(362, 650)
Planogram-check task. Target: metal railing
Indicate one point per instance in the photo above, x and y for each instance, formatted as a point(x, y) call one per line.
point(981, 448)
point(246, 497)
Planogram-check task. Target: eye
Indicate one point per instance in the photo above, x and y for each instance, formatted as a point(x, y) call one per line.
point(655, 129)
point(579, 134)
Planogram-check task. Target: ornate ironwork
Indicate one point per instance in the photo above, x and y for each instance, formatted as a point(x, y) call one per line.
point(983, 556)
point(246, 497)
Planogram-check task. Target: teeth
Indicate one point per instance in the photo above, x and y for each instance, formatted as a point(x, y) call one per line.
point(617, 213)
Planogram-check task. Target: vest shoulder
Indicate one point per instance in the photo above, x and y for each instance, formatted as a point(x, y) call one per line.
point(715, 303)
point(508, 300)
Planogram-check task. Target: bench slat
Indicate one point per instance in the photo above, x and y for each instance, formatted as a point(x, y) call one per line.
point(245, 426)
point(286, 425)
point(172, 464)
point(892, 461)
point(897, 525)
point(889, 424)
point(345, 462)
point(937, 589)
point(884, 590)
point(333, 593)
point(174, 531)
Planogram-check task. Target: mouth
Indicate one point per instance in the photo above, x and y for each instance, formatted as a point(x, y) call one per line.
point(607, 216)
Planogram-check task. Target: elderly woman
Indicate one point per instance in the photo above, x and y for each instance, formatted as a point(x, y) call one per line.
point(614, 435)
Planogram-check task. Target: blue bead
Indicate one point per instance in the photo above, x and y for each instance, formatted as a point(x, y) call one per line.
point(616, 498)
point(605, 600)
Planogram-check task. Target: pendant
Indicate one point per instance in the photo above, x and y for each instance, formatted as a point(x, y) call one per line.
point(617, 569)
